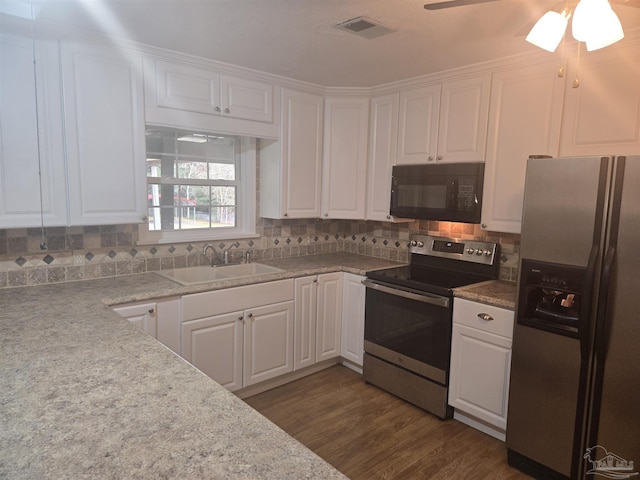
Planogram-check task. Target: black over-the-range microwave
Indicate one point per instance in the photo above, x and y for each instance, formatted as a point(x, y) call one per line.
point(447, 192)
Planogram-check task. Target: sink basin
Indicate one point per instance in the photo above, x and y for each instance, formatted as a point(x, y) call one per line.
point(206, 274)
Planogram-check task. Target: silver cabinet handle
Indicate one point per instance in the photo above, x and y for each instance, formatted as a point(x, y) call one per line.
point(226, 110)
point(485, 316)
point(217, 109)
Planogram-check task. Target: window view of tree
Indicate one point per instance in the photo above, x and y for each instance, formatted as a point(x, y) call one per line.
point(193, 180)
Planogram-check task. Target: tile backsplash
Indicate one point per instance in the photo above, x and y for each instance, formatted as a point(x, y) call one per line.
point(77, 253)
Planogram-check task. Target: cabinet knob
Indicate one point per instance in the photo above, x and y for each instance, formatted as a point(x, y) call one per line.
point(484, 225)
point(241, 317)
point(144, 218)
point(226, 110)
point(388, 217)
point(326, 214)
point(217, 109)
point(151, 310)
point(430, 158)
point(286, 214)
point(485, 316)
point(439, 157)
point(315, 280)
point(250, 315)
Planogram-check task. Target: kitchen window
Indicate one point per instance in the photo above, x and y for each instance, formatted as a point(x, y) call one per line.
point(200, 186)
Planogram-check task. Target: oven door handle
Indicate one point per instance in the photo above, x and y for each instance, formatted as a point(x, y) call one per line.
point(424, 297)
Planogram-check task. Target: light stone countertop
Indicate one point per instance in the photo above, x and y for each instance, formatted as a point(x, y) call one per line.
point(85, 394)
point(495, 292)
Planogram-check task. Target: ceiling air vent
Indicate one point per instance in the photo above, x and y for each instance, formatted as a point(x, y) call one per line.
point(364, 27)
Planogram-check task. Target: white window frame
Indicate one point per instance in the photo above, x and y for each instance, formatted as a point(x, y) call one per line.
point(245, 209)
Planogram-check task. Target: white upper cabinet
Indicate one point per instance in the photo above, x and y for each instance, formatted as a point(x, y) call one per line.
point(418, 125)
point(291, 168)
point(602, 115)
point(383, 139)
point(31, 143)
point(184, 87)
point(104, 132)
point(201, 98)
point(524, 119)
point(344, 175)
point(444, 123)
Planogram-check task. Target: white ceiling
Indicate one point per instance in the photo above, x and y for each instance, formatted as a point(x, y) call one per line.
point(296, 38)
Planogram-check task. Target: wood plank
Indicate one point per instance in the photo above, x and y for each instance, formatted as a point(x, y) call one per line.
point(367, 433)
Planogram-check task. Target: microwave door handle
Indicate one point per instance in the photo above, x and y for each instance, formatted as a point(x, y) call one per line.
point(453, 195)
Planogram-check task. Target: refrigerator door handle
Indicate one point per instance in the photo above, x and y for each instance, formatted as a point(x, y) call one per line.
point(583, 332)
point(602, 342)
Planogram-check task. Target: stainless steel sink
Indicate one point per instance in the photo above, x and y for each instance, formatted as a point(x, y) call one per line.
point(206, 274)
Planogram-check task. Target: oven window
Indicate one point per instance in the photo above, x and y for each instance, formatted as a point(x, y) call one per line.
point(409, 327)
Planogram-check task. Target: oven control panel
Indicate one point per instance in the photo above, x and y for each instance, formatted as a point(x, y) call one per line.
point(458, 249)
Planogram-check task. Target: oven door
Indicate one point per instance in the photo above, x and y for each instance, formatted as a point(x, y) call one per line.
point(409, 328)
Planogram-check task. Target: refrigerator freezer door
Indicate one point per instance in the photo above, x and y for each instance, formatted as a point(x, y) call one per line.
point(618, 343)
point(564, 198)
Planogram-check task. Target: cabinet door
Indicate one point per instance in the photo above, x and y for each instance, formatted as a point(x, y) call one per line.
point(31, 137)
point(329, 322)
point(214, 345)
point(306, 300)
point(602, 115)
point(479, 378)
point(353, 318)
point(143, 316)
point(247, 99)
point(418, 125)
point(268, 342)
point(524, 119)
point(344, 175)
point(168, 323)
point(383, 139)
point(462, 127)
point(184, 87)
point(291, 168)
point(105, 139)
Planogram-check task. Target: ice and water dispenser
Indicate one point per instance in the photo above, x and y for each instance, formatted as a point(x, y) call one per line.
point(551, 296)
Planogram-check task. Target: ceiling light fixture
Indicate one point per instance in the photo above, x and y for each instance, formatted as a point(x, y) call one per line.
point(594, 22)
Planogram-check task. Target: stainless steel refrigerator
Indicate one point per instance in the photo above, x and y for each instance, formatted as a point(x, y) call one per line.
point(574, 399)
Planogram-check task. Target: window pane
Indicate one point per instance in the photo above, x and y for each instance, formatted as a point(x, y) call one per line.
point(191, 169)
point(223, 216)
point(222, 171)
point(222, 196)
point(154, 167)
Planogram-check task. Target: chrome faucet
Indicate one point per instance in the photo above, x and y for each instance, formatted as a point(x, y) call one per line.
point(217, 255)
point(225, 253)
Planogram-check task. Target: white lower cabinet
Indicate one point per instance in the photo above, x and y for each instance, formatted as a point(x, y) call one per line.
point(352, 349)
point(268, 342)
point(480, 365)
point(240, 336)
point(160, 319)
point(318, 318)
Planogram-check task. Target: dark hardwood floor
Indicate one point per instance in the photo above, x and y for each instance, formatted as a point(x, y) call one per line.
point(367, 433)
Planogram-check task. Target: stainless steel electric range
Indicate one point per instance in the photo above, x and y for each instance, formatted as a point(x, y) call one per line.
point(408, 317)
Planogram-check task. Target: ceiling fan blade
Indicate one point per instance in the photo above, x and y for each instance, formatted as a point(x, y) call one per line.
point(457, 3)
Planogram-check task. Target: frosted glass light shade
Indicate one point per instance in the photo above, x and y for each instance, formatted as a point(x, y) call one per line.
point(608, 31)
point(548, 31)
point(596, 24)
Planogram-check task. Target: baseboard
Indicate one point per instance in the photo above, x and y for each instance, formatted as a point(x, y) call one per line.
point(284, 379)
point(479, 425)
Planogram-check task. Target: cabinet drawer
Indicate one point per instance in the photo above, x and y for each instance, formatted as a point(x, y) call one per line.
point(206, 304)
point(466, 312)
